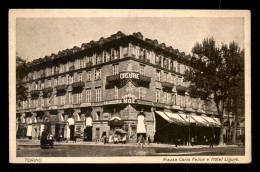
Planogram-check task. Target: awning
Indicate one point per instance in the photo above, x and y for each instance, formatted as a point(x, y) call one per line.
point(164, 116)
point(211, 121)
point(217, 120)
point(200, 121)
point(176, 118)
point(187, 118)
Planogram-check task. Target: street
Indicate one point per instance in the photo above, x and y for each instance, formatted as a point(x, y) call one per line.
point(31, 148)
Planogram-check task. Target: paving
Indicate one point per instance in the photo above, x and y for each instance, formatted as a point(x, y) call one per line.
point(31, 148)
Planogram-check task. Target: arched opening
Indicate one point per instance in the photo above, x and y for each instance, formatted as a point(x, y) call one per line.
point(141, 128)
point(88, 129)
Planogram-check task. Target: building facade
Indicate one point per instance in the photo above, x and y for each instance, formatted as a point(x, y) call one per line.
point(121, 82)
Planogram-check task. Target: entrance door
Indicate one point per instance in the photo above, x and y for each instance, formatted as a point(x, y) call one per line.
point(88, 133)
point(57, 131)
point(72, 127)
point(97, 133)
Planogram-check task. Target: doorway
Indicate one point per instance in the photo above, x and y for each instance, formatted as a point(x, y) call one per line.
point(88, 133)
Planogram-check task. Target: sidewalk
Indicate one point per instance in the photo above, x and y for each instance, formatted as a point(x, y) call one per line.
point(21, 142)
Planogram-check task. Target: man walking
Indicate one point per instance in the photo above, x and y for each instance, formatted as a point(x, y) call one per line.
point(212, 141)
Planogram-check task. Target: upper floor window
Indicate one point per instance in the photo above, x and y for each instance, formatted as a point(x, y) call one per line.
point(98, 59)
point(79, 98)
point(42, 84)
point(179, 81)
point(105, 56)
point(157, 96)
point(115, 69)
point(80, 77)
point(174, 99)
point(70, 98)
point(165, 97)
point(49, 83)
point(116, 92)
point(62, 99)
point(68, 79)
point(88, 96)
point(178, 67)
point(98, 94)
point(141, 92)
point(141, 69)
point(88, 75)
point(55, 82)
point(97, 74)
point(63, 80)
point(158, 75)
point(80, 63)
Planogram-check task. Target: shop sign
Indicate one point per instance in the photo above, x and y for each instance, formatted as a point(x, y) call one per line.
point(129, 75)
point(113, 102)
point(129, 100)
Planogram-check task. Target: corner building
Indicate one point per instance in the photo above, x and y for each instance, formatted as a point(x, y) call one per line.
point(121, 82)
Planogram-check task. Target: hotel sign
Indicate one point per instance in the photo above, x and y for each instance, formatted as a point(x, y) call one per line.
point(129, 98)
point(129, 75)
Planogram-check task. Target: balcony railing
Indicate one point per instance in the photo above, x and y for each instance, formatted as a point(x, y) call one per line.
point(89, 64)
point(61, 87)
point(167, 85)
point(158, 63)
point(145, 78)
point(35, 92)
point(112, 78)
point(78, 84)
point(71, 68)
point(47, 90)
point(181, 88)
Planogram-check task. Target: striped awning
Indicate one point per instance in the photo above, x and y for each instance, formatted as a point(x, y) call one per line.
point(211, 121)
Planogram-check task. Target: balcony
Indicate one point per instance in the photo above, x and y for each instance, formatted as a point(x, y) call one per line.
point(89, 64)
point(71, 68)
point(35, 92)
point(61, 87)
point(167, 85)
point(158, 63)
point(145, 78)
point(113, 78)
point(56, 72)
point(79, 84)
point(181, 88)
point(43, 75)
point(47, 90)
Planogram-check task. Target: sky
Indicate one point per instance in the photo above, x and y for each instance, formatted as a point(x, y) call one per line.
point(38, 37)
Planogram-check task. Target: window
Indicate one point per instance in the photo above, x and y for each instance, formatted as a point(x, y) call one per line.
point(179, 81)
point(98, 59)
point(98, 94)
point(97, 74)
point(158, 75)
point(54, 100)
point(116, 92)
point(70, 98)
point(178, 67)
point(174, 99)
point(141, 93)
point(178, 100)
point(183, 101)
point(104, 56)
point(89, 76)
point(63, 80)
point(61, 68)
point(157, 96)
point(42, 102)
point(145, 54)
point(62, 99)
point(141, 69)
point(64, 67)
point(55, 82)
point(115, 69)
point(165, 97)
point(71, 79)
point(88, 96)
point(80, 64)
point(42, 84)
point(80, 77)
point(79, 98)
point(49, 83)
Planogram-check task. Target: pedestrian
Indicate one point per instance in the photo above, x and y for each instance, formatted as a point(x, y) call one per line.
point(105, 139)
point(192, 141)
point(149, 140)
point(212, 141)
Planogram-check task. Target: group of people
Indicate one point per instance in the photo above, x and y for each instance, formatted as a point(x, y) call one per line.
point(142, 140)
point(115, 138)
point(194, 141)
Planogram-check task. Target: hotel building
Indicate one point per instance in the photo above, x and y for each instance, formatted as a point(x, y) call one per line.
point(123, 81)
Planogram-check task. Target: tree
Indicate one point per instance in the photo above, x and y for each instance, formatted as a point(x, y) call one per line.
point(215, 72)
point(21, 71)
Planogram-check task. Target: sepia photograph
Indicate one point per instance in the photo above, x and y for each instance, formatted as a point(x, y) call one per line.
point(129, 86)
